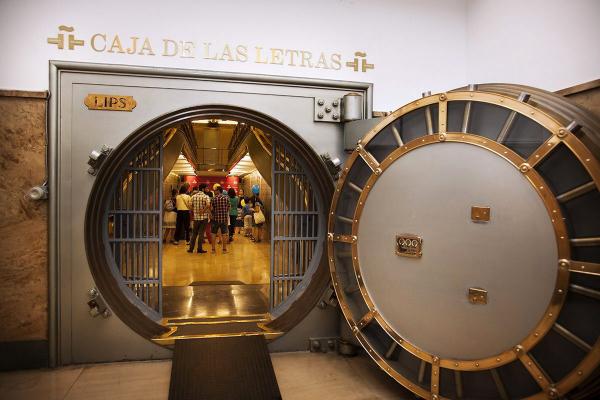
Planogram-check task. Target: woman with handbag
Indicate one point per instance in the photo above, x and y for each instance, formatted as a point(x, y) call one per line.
point(258, 217)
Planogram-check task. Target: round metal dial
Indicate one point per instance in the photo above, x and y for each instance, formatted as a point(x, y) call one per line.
point(464, 247)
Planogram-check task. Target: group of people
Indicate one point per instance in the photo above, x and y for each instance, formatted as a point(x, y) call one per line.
point(215, 213)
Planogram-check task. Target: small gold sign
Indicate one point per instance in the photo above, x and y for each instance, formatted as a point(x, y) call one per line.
point(480, 214)
point(109, 102)
point(408, 245)
point(477, 296)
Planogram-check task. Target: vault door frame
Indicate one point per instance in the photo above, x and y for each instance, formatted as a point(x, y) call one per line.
point(203, 87)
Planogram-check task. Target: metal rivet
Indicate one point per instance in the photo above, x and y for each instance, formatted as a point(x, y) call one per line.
point(320, 115)
point(320, 102)
point(524, 167)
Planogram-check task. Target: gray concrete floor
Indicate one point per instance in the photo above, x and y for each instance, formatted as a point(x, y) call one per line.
point(300, 375)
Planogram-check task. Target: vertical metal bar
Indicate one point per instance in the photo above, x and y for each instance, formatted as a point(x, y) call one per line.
point(458, 384)
point(428, 120)
point(422, 371)
point(396, 134)
point(301, 261)
point(499, 385)
point(274, 206)
point(466, 117)
point(160, 202)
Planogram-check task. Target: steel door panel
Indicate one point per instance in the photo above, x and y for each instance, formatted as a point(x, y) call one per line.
point(81, 337)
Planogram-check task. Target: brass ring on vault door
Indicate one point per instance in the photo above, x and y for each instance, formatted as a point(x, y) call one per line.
point(558, 135)
point(554, 214)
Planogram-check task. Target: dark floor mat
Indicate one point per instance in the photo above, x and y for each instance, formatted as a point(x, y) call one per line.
point(223, 368)
point(212, 329)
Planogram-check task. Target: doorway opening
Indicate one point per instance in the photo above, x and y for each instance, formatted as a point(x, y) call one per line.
point(269, 279)
point(230, 278)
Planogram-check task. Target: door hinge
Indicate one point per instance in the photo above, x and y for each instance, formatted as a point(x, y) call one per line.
point(97, 157)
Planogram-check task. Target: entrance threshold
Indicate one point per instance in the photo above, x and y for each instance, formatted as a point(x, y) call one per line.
point(216, 327)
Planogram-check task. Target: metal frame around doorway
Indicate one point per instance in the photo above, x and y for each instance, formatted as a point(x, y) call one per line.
point(58, 247)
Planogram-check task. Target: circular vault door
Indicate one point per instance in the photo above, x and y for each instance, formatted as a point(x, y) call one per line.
point(455, 241)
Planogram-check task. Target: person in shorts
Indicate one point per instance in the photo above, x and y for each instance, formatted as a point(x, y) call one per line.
point(220, 218)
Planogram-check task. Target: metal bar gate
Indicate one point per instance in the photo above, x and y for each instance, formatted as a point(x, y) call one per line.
point(294, 224)
point(134, 219)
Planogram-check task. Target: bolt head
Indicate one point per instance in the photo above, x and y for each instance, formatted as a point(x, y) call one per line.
point(320, 102)
point(320, 115)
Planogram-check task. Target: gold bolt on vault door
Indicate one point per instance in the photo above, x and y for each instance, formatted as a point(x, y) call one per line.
point(477, 296)
point(480, 214)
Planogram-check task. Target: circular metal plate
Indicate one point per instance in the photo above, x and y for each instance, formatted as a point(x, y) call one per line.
point(429, 193)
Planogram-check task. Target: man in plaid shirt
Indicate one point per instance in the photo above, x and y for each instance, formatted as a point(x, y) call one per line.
point(200, 210)
point(220, 217)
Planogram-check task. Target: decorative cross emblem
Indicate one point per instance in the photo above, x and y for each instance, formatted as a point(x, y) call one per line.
point(364, 65)
point(59, 40)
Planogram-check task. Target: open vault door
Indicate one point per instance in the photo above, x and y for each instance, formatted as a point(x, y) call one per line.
point(464, 244)
point(134, 218)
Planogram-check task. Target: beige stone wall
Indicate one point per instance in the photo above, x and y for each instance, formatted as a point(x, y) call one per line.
point(23, 223)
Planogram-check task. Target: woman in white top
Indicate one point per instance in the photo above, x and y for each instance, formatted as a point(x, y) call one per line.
point(183, 202)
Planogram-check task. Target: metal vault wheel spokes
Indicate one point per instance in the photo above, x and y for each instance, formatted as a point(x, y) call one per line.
point(464, 247)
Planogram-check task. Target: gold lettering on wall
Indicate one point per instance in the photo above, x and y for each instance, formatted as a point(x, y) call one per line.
point(119, 45)
point(109, 102)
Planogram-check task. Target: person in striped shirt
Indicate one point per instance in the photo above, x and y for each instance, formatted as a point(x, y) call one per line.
point(200, 210)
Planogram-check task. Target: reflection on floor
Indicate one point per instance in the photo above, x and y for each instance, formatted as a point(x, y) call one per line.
point(235, 283)
point(299, 375)
point(219, 300)
point(244, 261)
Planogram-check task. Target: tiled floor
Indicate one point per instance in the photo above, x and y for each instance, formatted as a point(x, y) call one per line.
point(300, 376)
